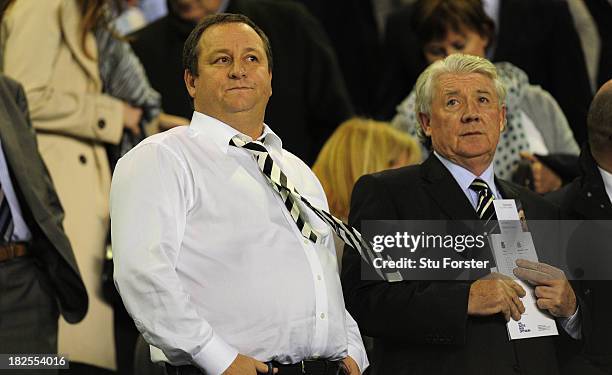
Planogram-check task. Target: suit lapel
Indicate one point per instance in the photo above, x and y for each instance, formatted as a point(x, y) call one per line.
point(507, 190)
point(70, 18)
point(444, 190)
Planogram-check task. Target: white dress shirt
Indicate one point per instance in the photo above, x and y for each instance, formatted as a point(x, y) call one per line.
point(209, 262)
point(607, 180)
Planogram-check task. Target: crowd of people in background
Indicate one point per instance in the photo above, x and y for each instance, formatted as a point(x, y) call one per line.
point(102, 75)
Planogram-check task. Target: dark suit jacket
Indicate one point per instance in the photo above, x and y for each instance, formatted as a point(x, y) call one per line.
point(586, 199)
point(309, 97)
point(538, 36)
point(422, 327)
point(356, 36)
point(40, 204)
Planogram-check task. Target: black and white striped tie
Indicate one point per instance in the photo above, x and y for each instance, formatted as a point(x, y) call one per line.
point(290, 196)
point(485, 208)
point(6, 219)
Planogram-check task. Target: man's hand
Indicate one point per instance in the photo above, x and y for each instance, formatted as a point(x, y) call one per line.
point(553, 291)
point(544, 179)
point(244, 365)
point(494, 294)
point(350, 366)
point(131, 118)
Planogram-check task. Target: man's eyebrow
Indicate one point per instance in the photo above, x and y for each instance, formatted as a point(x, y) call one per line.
point(228, 51)
point(483, 91)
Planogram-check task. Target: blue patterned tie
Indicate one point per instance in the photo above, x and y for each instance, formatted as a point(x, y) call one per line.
point(6, 219)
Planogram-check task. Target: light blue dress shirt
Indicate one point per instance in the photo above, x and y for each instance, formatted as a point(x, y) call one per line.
point(465, 178)
point(20, 231)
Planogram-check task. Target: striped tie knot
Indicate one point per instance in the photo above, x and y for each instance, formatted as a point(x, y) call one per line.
point(479, 185)
point(240, 141)
point(484, 209)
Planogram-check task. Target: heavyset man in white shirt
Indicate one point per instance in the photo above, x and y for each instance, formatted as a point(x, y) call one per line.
point(208, 259)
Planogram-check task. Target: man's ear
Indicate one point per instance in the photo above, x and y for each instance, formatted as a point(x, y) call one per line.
point(502, 123)
point(189, 83)
point(425, 123)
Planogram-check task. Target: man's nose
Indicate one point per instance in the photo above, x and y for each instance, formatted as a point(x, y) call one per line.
point(237, 71)
point(471, 112)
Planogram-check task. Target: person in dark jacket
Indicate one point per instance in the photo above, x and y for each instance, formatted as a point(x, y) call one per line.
point(309, 95)
point(358, 31)
point(426, 327)
point(39, 276)
point(589, 197)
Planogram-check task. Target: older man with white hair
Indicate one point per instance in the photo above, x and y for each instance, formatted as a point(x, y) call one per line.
point(432, 327)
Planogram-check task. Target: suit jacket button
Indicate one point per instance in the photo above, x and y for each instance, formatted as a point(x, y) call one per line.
point(101, 123)
point(516, 369)
point(82, 159)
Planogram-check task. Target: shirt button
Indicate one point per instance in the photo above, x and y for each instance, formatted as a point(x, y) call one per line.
point(101, 123)
point(82, 159)
point(322, 315)
point(589, 194)
point(319, 277)
point(305, 242)
point(601, 206)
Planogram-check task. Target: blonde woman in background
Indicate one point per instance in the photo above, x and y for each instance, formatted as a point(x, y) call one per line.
point(358, 147)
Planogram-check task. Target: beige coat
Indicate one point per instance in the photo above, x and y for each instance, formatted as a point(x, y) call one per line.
point(41, 48)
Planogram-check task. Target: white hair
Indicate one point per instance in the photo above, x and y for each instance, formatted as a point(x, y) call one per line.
point(453, 64)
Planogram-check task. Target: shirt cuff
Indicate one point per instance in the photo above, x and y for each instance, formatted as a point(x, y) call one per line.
point(572, 325)
point(359, 356)
point(215, 357)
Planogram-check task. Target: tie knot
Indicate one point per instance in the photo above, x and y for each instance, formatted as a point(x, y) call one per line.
point(479, 185)
point(240, 141)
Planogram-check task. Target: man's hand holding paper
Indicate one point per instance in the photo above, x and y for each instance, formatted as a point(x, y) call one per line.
point(496, 293)
point(554, 293)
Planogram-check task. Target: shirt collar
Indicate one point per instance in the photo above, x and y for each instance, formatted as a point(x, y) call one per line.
point(465, 178)
point(607, 180)
point(221, 133)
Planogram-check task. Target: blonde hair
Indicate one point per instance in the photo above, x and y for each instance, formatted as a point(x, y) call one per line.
point(358, 147)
